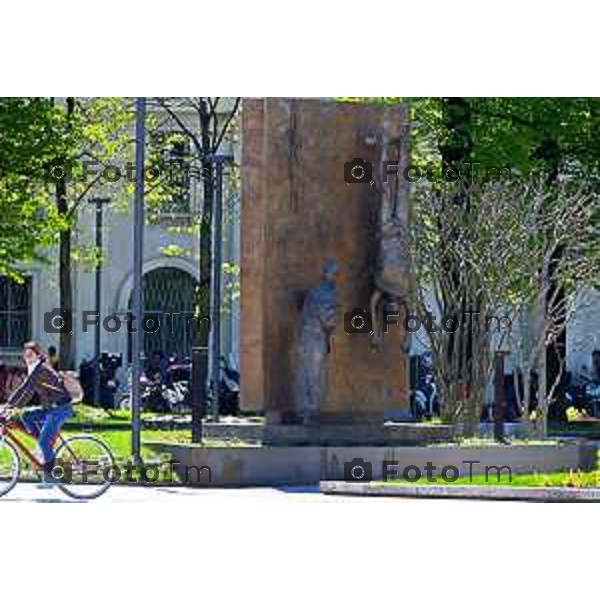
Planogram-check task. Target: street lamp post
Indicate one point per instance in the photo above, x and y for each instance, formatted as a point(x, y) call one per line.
point(137, 294)
point(219, 161)
point(99, 202)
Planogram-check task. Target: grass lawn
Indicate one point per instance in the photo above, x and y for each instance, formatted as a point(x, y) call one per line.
point(98, 418)
point(90, 415)
point(572, 479)
point(480, 442)
point(120, 441)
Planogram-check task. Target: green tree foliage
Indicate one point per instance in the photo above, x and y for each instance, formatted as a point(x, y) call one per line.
point(29, 221)
point(55, 154)
point(38, 138)
point(529, 135)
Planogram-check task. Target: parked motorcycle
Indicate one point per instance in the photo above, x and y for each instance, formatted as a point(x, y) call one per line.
point(168, 389)
point(161, 392)
point(108, 365)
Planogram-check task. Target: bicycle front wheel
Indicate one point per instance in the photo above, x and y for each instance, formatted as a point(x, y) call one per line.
point(9, 466)
point(86, 465)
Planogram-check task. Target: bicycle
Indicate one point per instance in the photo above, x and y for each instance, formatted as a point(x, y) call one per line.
point(85, 463)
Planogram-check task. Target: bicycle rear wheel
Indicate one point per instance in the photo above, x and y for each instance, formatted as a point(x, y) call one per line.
point(9, 466)
point(86, 464)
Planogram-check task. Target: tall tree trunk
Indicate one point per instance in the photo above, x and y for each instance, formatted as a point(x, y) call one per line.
point(455, 149)
point(66, 351)
point(551, 363)
point(66, 346)
point(204, 285)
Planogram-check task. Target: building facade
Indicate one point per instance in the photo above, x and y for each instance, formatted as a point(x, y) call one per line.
point(170, 280)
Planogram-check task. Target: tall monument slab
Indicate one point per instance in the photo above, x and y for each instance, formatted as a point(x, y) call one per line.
point(298, 212)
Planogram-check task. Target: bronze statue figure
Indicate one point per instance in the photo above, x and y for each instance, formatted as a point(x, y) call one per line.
point(316, 325)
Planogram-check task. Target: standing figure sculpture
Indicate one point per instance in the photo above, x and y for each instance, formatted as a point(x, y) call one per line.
point(316, 325)
point(391, 276)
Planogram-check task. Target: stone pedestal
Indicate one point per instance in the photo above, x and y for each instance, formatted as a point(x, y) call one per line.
point(297, 212)
point(389, 434)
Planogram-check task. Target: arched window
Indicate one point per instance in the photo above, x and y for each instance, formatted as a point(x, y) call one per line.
point(168, 291)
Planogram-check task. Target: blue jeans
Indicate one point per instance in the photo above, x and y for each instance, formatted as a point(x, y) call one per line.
point(45, 424)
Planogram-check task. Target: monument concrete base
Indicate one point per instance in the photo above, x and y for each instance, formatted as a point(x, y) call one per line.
point(295, 465)
point(388, 434)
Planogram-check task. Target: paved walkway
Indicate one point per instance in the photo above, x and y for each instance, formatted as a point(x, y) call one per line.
point(29, 492)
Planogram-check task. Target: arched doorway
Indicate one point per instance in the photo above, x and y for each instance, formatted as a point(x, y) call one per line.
point(168, 291)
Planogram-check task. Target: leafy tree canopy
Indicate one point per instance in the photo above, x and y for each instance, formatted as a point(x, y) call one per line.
point(529, 135)
point(28, 219)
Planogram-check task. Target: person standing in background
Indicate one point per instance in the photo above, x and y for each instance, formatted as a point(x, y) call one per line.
point(53, 357)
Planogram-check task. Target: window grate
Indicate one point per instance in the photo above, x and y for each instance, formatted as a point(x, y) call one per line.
point(15, 312)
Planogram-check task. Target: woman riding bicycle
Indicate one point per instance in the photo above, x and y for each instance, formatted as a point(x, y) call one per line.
point(46, 387)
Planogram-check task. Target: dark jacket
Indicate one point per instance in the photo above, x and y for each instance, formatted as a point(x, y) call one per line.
point(45, 384)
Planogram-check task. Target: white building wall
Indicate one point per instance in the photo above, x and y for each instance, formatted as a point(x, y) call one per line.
point(117, 276)
point(583, 332)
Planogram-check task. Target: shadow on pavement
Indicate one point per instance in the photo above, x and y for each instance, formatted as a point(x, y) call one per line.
point(298, 489)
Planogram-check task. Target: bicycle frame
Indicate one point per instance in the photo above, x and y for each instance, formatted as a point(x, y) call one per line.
point(6, 430)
